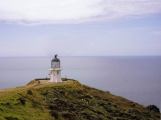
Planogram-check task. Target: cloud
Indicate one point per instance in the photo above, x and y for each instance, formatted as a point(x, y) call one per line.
point(60, 11)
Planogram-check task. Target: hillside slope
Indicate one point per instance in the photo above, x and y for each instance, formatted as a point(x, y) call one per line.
point(68, 100)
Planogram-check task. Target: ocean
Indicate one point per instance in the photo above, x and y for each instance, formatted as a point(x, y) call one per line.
point(135, 78)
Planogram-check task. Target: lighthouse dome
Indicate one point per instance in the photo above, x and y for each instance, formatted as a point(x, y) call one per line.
point(55, 59)
point(55, 62)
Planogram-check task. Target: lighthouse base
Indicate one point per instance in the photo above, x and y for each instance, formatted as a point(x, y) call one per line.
point(55, 76)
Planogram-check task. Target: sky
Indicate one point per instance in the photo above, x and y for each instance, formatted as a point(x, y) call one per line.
point(80, 27)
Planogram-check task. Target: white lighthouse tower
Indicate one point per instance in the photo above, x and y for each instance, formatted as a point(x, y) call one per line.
point(55, 71)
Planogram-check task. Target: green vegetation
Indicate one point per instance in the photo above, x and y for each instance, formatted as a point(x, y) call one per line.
point(153, 108)
point(68, 100)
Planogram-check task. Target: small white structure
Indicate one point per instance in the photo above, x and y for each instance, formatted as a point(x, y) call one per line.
point(55, 70)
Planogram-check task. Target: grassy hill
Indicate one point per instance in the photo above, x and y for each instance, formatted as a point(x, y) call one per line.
point(68, 100)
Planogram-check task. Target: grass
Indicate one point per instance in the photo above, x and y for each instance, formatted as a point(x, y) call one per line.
point(68, 100)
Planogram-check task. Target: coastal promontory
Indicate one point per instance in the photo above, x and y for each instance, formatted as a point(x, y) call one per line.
point(68, 100)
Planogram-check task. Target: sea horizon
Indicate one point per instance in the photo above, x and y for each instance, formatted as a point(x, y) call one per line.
point(134, 77)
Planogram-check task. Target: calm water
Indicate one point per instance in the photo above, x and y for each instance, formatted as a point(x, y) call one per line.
point(136, 78)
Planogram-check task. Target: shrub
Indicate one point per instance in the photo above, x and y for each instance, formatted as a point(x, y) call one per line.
point(11, 118)
point(22, 100)
point(29, 92)
point(68, 115)
point(153, 108)
point(54, 114)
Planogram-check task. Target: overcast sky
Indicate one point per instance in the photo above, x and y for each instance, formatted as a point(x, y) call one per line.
point(80, 27)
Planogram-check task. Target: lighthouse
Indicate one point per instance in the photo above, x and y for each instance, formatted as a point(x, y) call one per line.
point(55, 70)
